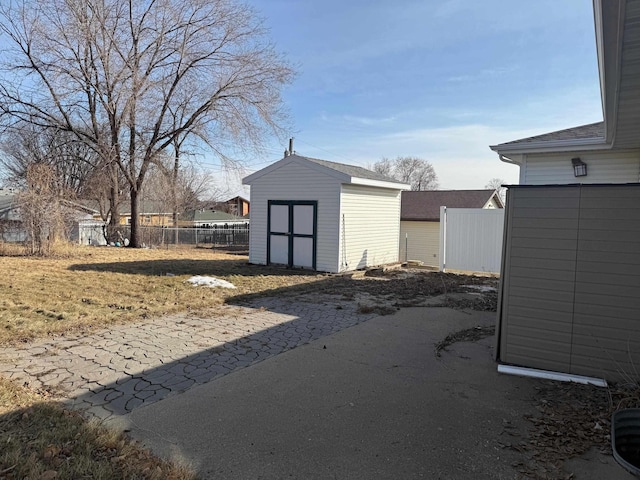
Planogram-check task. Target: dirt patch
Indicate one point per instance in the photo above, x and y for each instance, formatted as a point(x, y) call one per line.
point(384, 292)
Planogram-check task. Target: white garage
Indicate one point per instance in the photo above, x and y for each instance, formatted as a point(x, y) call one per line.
point(324, 216)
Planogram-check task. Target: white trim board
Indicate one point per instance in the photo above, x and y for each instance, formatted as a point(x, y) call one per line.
point(549, 375)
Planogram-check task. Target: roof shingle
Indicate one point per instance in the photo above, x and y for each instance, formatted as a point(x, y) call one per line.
point(592, 130)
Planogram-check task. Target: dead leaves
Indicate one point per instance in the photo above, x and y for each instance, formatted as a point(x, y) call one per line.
point(572, 419)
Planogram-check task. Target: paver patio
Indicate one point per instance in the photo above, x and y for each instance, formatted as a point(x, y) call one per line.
point(117, 370)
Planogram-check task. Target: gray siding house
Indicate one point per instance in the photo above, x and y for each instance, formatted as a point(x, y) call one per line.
point(570, 279)
point(325, 216)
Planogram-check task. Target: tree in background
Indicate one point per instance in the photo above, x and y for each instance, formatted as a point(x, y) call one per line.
point(496, 184)
point(110, 72)
point(414, 171)
point(43, 213)
point(72, 162)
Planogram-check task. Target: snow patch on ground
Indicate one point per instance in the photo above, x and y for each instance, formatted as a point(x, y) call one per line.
point(212, 282)
point(482, 288)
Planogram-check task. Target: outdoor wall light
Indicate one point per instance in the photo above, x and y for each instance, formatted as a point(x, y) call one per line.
point(579, 167)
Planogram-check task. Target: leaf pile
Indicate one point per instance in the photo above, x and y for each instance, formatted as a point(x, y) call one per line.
point(572, 419)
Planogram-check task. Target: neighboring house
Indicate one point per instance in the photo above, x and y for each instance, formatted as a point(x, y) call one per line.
point(238, 206)
point(570, 279)
point(209, 218)
point(326, 216)
point(420, 219)
point(150, 213)
point(11, 229)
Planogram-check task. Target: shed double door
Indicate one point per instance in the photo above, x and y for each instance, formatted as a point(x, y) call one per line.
point(291, 236)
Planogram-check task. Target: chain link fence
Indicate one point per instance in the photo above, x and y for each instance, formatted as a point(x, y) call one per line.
point(217, 236)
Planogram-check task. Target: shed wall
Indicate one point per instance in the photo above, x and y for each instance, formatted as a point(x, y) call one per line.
point(602, 167)
point(297, 182)
point(369, 226)
point(422, 241)
point(571, 274)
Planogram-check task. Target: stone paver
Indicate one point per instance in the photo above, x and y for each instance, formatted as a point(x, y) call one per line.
point(118, 370)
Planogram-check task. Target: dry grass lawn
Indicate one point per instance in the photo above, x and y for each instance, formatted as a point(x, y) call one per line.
point(89, 287)
point(81, 289)
point(41, 440)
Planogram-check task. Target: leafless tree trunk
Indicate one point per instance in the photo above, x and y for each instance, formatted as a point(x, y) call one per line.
point(111, 71)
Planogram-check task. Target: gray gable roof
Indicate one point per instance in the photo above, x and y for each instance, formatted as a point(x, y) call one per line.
point(425, 205)
point(592, 130)
point(351, 170)
point(576, 138)
point(340, 171)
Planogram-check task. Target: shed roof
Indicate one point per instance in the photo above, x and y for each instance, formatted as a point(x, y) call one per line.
point(342, 172)
point(425, 205)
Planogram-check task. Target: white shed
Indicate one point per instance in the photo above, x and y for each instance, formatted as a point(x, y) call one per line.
point(326, 216)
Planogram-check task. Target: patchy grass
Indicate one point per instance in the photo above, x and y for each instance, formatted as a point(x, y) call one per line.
point(41, 440)
point(89, 287)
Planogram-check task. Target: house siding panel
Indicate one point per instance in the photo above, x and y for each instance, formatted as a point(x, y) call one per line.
point(603, 281)
point(296, 182)
point(602, 167)
point(372, 220)
point(422, 240)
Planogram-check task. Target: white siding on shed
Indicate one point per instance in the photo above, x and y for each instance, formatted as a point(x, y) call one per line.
point(422, 240)
point(293, 182)
point(370, 226)
point(602, 167)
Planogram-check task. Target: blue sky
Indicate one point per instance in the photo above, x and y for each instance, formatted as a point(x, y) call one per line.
point(441, 80)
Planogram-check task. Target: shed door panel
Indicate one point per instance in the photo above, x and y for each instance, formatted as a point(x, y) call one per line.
point(279, 219)
point(279, 250)
point(303, 219)
point(303, 252)
point(292, 233)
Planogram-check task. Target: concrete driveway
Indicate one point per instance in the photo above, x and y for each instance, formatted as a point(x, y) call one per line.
point(370, 401)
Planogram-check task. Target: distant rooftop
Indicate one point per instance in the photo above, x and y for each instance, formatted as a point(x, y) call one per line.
point(425, 205)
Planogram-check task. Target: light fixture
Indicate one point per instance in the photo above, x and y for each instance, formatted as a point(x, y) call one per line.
point(579, 167)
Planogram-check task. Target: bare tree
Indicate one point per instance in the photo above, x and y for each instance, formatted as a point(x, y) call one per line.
point(497, 184)
point(41, 209)
point(72, 162)
point(177, 190)
point(383, 167)
point(414, 171)
point(111, 71)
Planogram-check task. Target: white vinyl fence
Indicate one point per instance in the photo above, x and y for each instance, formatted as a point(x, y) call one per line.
point(471, 239)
